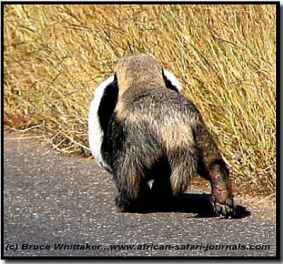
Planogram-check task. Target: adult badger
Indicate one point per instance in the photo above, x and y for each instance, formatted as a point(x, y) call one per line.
point(141, 129)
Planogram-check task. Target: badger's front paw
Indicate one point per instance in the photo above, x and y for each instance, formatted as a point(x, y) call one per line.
point(225, 209)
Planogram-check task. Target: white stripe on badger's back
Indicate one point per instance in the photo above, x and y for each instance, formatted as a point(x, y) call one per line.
point(173, 80)
point(95, 132)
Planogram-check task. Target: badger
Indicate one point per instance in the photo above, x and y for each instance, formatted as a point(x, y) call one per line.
point(152, 139)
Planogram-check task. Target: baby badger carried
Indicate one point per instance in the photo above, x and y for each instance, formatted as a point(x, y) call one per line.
point(143, 130)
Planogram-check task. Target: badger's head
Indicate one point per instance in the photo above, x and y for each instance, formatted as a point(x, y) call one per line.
point(133, 72)
point(142, 72)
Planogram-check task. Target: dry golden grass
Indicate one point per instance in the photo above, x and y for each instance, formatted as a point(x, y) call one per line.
point(55, 55)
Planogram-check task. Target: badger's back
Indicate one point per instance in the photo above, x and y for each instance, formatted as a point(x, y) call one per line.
point(161, 114)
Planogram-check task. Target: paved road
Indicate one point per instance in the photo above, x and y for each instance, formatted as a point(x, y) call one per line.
point(65, 205)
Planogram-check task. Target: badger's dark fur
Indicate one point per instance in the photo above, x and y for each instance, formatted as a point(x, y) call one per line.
point(149, 131)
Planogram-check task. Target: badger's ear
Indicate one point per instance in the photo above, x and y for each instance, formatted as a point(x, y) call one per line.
point(171, 81)
point(100, 112)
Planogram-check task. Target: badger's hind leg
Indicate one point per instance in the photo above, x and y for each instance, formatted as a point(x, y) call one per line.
point(212, 167)
point(183, 164)
point(133, 190)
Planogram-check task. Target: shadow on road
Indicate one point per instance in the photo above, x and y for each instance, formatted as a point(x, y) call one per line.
point(198, 204)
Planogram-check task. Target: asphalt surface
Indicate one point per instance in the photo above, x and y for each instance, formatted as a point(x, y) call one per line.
point(65, 205)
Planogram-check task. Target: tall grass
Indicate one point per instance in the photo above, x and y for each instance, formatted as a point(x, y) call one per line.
point(55, 55)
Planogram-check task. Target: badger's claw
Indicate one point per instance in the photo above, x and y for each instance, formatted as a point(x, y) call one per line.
point(226, 209)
